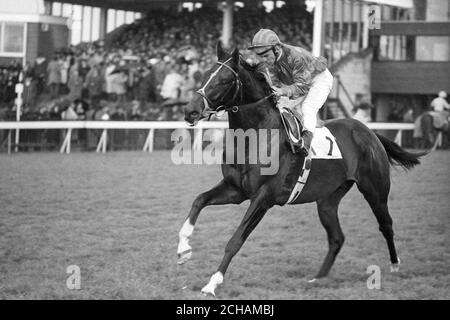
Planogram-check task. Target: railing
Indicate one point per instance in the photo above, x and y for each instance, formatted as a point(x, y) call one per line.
point(151, 126)
point(340, 86)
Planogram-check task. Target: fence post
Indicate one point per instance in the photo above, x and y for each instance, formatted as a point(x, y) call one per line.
point(102, 142)
point(152, 139)
point(398, 138)
point(148, 145)
point(9, 141)
point(69, 140)
point(65, 148)
point(105, 141)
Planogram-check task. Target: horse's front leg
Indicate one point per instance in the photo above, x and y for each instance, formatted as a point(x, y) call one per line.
point(223, 193)
point(258, 207)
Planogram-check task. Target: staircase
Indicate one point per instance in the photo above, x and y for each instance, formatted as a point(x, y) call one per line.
point(334, 107)
point(354, 70)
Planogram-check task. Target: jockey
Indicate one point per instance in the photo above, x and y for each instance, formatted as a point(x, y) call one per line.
point(297, 75)
point(439, 104)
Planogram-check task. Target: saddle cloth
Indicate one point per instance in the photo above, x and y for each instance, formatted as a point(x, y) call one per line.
point(323, 146)
point(440, 119)
point(440, 122)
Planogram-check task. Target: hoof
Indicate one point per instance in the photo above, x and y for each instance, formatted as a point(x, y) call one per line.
point(317, 281)
point(395, 267)
point(184, 256)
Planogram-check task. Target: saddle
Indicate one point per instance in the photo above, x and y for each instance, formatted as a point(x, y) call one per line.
point(292, 122)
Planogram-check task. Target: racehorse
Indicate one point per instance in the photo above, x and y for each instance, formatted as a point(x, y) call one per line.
point(233, 85)
point(429, 130)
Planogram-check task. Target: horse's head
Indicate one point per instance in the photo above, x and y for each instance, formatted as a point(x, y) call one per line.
point(221, 88)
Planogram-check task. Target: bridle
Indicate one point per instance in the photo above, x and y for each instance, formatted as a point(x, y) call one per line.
point(209, 110)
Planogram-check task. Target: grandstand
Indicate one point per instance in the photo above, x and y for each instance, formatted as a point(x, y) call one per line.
point(143, 59)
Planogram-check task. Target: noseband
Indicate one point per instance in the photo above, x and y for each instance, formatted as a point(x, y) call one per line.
point(209, 105)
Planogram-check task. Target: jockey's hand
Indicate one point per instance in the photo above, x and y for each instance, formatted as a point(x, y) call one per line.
point(277, 91)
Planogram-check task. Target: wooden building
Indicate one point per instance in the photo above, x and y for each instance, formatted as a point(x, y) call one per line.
point(27, 32)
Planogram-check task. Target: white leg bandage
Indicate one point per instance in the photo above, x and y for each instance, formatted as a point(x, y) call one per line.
point(185, 233)
point(214, 282)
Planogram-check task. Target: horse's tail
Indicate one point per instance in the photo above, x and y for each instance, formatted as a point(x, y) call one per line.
point(399, 156)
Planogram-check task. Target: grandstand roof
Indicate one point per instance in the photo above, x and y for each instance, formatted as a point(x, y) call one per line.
point(143, 5)
point(129, 5)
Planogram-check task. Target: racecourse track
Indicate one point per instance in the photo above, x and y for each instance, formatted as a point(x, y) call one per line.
point(117, 217)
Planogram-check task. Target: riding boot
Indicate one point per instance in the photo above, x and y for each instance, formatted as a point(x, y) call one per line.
point(307, 137)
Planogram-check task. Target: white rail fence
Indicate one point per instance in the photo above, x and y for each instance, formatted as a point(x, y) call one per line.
point(151, 126)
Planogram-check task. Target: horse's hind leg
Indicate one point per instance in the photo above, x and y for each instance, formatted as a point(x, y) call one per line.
point(223, 193)
point(329, 218)
point(376, 195)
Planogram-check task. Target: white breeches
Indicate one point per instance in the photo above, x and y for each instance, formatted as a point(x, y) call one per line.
point(318, 93)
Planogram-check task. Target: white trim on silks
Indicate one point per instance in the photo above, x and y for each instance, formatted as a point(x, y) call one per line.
point(304, 173)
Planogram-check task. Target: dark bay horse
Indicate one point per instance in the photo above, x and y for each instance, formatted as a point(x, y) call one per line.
point(430, 133)
point(234, 86)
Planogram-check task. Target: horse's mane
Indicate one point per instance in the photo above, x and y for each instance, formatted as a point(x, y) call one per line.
point(257, 75)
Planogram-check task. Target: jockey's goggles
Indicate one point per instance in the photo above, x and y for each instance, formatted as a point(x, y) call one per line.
point(264, 52)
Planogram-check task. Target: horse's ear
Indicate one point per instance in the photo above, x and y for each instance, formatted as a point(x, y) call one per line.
point(221, 53)
point(235, 56)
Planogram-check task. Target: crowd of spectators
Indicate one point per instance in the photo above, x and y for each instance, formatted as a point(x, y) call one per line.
point(145, 71)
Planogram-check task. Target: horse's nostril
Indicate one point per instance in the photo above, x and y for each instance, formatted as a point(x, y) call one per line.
point(194, 114)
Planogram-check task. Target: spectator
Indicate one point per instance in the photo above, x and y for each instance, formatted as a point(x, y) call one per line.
point(172, 83)
point(54, 77)
point(119, 83)
point(109, 77)
point(408, 116)
point(29, 82)
point(118, 115)
point(81, 108)
point(40, 69)
point(103, 113)
point(69, 113)
point(12, 77)
point(363, 109)
point(94, 84)
point(75, 84)
point(146, 86)
point(65, 66)
point(135, 112)
point(83, 69)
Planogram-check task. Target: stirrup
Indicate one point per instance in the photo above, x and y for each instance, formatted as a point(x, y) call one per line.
point(304, 152)
point(299, 148)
